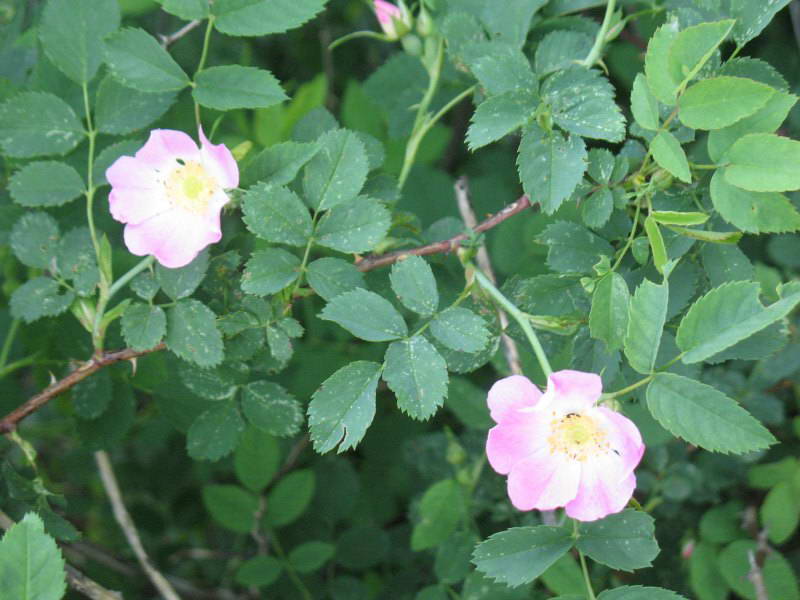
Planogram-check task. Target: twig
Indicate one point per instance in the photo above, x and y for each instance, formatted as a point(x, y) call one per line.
point(10, 421)
point(468, 215)
point(166, 40)
point(128, 528)
point(756, 577)
point(372, 262)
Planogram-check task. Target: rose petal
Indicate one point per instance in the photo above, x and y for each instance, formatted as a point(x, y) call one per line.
point(623, 436)
point(514, 440)
point(544, 481)
point(135, 194)
point(573, 391)
point(600, 492)
point(174, 237)
point(219, 161)
point(510, 394)
point(165, 146)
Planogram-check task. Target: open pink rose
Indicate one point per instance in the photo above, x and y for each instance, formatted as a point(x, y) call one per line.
point(170, 194)
point(394, 20)
point(561, 449)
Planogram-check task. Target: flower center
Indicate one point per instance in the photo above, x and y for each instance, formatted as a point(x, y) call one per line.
point(578, 436)
point(190, 187)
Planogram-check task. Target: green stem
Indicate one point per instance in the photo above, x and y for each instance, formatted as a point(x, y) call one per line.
point(202, 63)
point(90, 188)
point(518, 316)
point(303, 264)
point(122, 281)
point(17, 364)
point(630, 388)
point(298, 583)
point(631, 236)
point(8, 342)
point(600, 39)
point(586, 578)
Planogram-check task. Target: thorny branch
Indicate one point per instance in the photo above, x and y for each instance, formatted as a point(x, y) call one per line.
point(166, 40)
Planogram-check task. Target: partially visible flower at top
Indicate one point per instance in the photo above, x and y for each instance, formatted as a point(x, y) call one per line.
point(170, 194)
point(396, 21)
point(561, 449)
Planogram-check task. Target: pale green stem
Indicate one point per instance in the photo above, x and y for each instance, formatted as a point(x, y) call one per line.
point(630, 388)
point(600, 40)
point(586, 578)
point(290, 571)
point(631, 236)
point(90, 188)
point(122, 281)
point(202, 63)
point(18, 364)
point(8, 342)
point(519, 317)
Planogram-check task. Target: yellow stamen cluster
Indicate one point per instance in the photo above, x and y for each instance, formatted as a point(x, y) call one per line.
point(578, 436)
point(190, 187)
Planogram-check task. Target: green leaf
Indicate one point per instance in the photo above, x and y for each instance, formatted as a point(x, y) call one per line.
point(669, 155)
point(46, 183)
point(452, 562)
point(582, 101)
point(215, 432)
point(715, 237)
point(764, 162)
point(413, 282)
point(704, 416)
point(72, 33)
point(192, 333)
point(214, 384)
point(550, 166)
point(704, 575)
point(780, 512)
point(441, 509)
point(753, 212)
point(311, 556)
point(338, 170)
point(38, 124)
point(672, 217)
point(138, 61)
point(262, 17)
point(182, 282)
point(644, 105)
point(342, 408)
point(779, 577)
point(561, 49)
point(143, 326)
point(269, 271)
point(721, 101)
point(122, 109)
point(91, 397)
point(657, 246)
point(608, 319)
point(520, 554)
point(366, 315)
point(564, 577)
point(76, 261)
point(499, 67)
point(572, 248)
point(692, 48)
point(39, 297)
point(753, 17)
point(257, 459)
point(290, 498)
point(597, 208)
point(639, 592)
point(417, 374)
point(460, 329)
point(276, 214)
point(259, 571)
point(31, 565)
point(727, 315)
point(497, 116)
point(656, 63)
point(231, 506)
point(648, 313)
point(270, 408)
point(233, 86)
point(278, 164)
point(330, 277)
point(35, 240)
point(187, 9)
point(624, 541)
point(357, 226)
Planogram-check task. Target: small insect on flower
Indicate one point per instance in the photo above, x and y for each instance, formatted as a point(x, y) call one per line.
point(561, 449)
point(170, 194)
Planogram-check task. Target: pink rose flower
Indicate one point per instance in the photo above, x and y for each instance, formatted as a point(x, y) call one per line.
point(170, 194)
point(561, 449)
point(390, 16)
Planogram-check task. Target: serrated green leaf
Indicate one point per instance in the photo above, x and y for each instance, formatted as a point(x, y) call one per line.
point(648, 313)
point(520, 554)
point(35, 240)
point(270, 408)
point(333, 276)
point(726, 315)
point(639, 592)
point(31, 565)
point(145, 285)
point(413, 282)
point(143, 326)
point(452, 562)
point(276, 214)
point(704, 416)
point(257, 459)
point(262, 17)
point(550, 166)
point(91, 397)
point(764, 162)
point(219, 383)
point(39, 297)
point(231, 506)
point(234, 86)
point(608, 319)
point(499, 67)
point(441, 509)
point(656, 63)
point(497, 116)
point(72, 33)
point(596, 209)
point(182, 282)
point(460, 329)
point(338, 170)
point(290, 498)
point(76, 261)
point(417, 374)
point(624, 541)
point(669, 155)
point(259, 571)
point(38, 124)
point(780, 512)
point(644, 105)
point(192, 333)
point(357, 226)
point(561, 49)
point(45, 183)
point(121, 109)
point(269, 271)
point(215, 432)
point(721, 101)
point(187, 9)
point(693, 47)
point(572, 248)
point(138, 61)
point(366, 315)
point(278, 164)
point(342, 408)
point(753, 17)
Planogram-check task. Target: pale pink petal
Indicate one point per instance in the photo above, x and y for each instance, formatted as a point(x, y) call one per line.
point(624, 438)
point(573, 391)
point(544, 481)
point(600, 492)
point(219, 161)
point(510, 394)
point(135, 193)
point(385, 11)
point(515, 440)
point(165, 146)
point(174, 237)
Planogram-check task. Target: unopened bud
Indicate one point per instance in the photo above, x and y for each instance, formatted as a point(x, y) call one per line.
point(396, 21)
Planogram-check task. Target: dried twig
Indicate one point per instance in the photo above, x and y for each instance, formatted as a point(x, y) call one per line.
point(166, 40)
point(125, 522)
point(10, 421)
point(372, 262)
point(468, 215)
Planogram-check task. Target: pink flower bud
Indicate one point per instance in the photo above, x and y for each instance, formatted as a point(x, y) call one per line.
point(394, 20)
